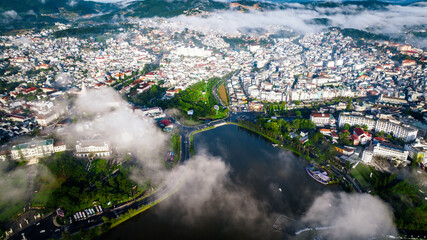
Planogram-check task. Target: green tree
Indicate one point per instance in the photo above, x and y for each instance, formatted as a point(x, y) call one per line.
point(346, 127)
point(365, 127)
point(344, 138)
point(348, 108)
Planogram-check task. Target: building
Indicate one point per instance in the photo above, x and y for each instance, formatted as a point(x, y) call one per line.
point(394, 100)
point(417, 151)
point(155, 113)
point(93, 148)
point(322, 119)
point(396, 129)
point(363, 137)
point(31, 150)
point(385, 150)
point(368, 154)
point(345, 150)
point(392, 127)
point(352, 119)
point(166, 125)
point(44, 120)
point(59, 147)
point(192, 52)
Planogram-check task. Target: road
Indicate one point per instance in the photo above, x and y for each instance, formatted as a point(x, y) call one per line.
point(45, 229)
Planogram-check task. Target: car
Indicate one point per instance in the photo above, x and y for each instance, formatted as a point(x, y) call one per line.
point(37, 223)
point(43, 231)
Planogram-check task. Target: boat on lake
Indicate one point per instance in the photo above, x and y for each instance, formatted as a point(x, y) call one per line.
point(321, 177)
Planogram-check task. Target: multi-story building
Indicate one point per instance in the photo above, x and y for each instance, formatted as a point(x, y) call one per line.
point(322, 119)
point(392, 127)
point(35, 149)
point(385, 150)
point(44, 120)
point(352, 119)
point(396, 129)
point(93, 148)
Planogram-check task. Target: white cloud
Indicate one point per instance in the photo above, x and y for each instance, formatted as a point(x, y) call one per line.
point(392, 19)
point(72, 3)
point(206, 191)
point(106, 116)
point(350, 216)
point(10, 15)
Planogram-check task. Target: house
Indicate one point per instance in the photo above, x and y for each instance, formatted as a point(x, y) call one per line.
point(17, 118)
point(354, 139)
point(166, 124)
point(345, 150)
point(363, 136)
point(326, 132)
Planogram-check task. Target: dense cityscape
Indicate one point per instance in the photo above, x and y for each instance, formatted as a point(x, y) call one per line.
point(97, 122)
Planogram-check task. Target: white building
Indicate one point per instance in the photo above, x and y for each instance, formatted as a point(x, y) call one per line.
point(44, 120)
point(394, 128)
point(322, 119)
point(93, 148)
point(35, 149)
point(397, 130)
point(351, 119)
point(385, 150)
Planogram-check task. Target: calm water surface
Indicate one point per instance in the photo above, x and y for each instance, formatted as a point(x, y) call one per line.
point(257, 167)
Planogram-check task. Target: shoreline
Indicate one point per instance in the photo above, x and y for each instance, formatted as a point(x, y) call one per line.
point(98, 230)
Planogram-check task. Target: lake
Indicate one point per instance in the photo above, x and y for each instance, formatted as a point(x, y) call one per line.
point(269, 175)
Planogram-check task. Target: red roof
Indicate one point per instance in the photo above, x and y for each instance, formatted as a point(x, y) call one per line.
point(165, 122)
point(380, 139)
point(30, 89)
point(354, 137)
point(359, 131)
point(321, 115)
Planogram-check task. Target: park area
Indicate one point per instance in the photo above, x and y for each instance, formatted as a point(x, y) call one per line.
point(199, 100)
point(222, 92)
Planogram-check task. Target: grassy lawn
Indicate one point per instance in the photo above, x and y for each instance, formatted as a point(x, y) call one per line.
point(99, 166)
point(9, 209)
point(361, 173)
point(40, 199)
point(223, 93)
point(176, 145)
